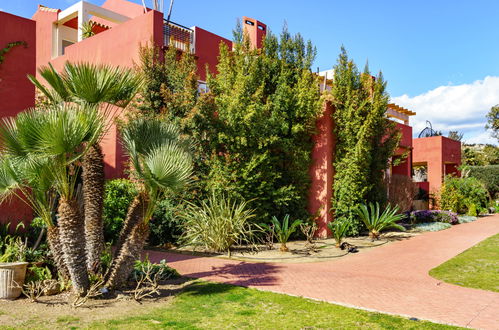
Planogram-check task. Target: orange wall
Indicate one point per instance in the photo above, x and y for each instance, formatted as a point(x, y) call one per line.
point(118, 46)
point(208, 50)
point(437, 152)
point(16, 91)
point(321, 171)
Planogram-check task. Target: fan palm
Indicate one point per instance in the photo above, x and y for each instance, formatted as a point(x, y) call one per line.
point(160, 162)
point(376, 222)
point(31, 182)
point(60, 135)
point(91, 84)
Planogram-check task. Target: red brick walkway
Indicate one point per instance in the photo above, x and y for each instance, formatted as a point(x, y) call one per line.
point(392, 278)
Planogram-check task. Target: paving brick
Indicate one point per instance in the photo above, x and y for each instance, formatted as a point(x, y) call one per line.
point(392, 278)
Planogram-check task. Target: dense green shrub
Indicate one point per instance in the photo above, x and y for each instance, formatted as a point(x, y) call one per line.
point(166, 223)
point(118, 195)
point(365, 139)
point(488, 175)
point(459, 194)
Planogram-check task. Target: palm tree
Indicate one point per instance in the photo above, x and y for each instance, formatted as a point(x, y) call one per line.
point(58, 137)
point(90, 84)
point(160, 162)
point(31, 183)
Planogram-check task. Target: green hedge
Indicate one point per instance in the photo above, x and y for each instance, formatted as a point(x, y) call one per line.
point(488, 175)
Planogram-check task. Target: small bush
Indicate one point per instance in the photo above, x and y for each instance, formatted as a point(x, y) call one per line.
point(376, 221)
point(458, 194)
point(283, 231)
point(118, 196)
point(466, 218)
point(425, 216)
point(218, 224)
point(164, 271)
point(166, 223)
point(431, 226)
point(472, 211)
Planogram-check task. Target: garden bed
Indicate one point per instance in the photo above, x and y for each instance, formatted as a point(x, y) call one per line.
point(55, 309)
point(301, 251)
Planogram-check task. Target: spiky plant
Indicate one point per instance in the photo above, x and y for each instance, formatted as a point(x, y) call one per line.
point(60, 135)
point(283, 231)
point(376, 221)
point(110, 88)
point(160, 163)
point(339, 229)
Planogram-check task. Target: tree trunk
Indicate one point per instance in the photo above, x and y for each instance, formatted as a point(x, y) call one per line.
point(129, 254)
point(54, 243)
point(130, 244)
point(72, 238)
point(135, 215)
point(93, 196)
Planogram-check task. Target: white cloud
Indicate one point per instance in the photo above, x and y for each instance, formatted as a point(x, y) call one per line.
point(460, 107)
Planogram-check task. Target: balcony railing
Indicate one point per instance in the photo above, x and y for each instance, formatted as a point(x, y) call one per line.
point(178, 36)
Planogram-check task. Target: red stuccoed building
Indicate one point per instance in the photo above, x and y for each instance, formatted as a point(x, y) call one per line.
point(121, 27)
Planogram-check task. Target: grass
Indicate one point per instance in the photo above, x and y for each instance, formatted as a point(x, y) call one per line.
point(205, 305)
point(476, 267)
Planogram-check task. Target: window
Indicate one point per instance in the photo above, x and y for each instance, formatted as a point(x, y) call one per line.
point(66, 43)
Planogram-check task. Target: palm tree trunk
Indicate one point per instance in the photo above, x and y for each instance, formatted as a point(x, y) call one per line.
point(71, 227)
point(54, 243)
point(132, 240)
point(93, 195)
point(129, 254)
point(135, 214)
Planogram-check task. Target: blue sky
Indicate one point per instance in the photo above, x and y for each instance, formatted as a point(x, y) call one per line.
point(440, 58)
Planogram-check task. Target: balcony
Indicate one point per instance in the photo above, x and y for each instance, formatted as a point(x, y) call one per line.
point(178, 36)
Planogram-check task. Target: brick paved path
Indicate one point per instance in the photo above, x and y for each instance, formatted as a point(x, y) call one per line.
point(392, 278)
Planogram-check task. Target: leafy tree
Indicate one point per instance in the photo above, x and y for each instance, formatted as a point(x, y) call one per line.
point(479, 154)
point(493, 121)
point(365, 139)
point(254, 126)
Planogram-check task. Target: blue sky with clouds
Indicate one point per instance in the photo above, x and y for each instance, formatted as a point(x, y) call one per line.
point(440, 58)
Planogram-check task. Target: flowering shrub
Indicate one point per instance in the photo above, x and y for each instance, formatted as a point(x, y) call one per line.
point(416, 217)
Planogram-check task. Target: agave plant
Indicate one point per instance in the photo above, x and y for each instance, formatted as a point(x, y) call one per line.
point(218, 224)
point(283, 231)
point(58, 137)
point(376, 222)
point(160, 163)
point(339, 228)
point(95, 85)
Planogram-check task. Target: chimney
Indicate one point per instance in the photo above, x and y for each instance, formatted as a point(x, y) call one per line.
point(256, 31)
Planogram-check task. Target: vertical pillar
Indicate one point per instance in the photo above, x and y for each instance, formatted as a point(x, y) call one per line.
point(321, 172)
point(82, 19)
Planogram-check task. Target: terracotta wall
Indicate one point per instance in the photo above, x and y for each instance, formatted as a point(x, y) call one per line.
point(321, 171)
point(16, 91)
point(118, 46)
point(208, 50)
point(439, 154)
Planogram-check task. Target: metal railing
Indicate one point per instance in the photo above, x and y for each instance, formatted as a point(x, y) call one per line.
point(178, 36)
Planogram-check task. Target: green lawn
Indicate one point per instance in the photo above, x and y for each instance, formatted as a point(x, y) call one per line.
point(477, 267)
point(213, 306)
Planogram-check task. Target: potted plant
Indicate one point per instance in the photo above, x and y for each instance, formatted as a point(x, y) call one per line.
point(12, 268)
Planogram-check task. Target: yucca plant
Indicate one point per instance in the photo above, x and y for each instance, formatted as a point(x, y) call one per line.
point(376, 221)
point(160, 163)
point(108, 88)
point(218, 223)
point(283, 231)
point(339, 229)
